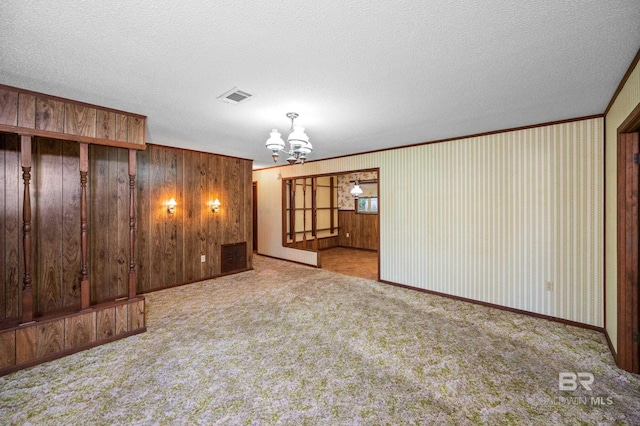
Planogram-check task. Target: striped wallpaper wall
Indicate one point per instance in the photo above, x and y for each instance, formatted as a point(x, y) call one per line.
point(490, 218)
point(627, 100)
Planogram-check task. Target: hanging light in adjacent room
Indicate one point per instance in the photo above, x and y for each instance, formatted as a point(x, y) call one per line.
point(356, 191)
point(299, 145)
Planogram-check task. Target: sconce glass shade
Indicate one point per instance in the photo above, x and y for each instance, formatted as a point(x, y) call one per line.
point(356, 191)
point(171, 205)
point(215, 205)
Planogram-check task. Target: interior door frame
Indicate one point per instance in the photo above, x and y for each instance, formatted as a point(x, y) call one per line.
point(628, 230)
point(254, 207)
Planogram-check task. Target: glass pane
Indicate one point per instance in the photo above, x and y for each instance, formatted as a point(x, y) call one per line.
point(373, 204)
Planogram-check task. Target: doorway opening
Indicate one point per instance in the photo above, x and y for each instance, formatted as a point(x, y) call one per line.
point(321, 214)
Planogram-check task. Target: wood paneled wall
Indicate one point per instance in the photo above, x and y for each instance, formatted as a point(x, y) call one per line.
point(10, 228)
point(168, 247)
point(108, 190)
point(56, 218)
point(362, 230)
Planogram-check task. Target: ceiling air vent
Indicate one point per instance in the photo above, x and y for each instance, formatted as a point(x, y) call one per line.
point(235, 96)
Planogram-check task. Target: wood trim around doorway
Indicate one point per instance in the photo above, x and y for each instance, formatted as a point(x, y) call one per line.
point(628, 223)
point(254, 208)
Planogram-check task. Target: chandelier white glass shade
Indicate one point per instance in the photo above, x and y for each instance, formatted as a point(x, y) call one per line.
point(299, 145)
point(356, 191)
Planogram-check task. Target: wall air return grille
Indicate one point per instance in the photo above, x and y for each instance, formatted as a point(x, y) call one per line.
point(235, 96)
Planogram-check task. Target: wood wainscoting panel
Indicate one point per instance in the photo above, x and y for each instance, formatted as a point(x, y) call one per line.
point(122, 124)
point(62, 334)
point(49, 337)
point(7, 348)
point(362, 230)
point(136, 315)
point(135, 130)
point(105, 124)
point(106, 323)
point(25, 344)
point(122, 319)
point(80, 120)
point(38, 114)
point(49, 114)
point(80, 330)
point(8, 107)
point(26, 111)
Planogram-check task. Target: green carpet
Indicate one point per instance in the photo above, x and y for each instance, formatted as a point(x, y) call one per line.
point(287, 344)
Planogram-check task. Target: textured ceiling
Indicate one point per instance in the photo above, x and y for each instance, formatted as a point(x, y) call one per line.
point(362, 75)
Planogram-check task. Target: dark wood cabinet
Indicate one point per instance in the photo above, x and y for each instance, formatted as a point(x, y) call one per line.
point(234, 257)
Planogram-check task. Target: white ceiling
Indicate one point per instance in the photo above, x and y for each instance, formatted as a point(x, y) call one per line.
point(363, 75)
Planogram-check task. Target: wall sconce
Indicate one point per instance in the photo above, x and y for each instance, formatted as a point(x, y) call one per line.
point(215, 205)
point(171, 206)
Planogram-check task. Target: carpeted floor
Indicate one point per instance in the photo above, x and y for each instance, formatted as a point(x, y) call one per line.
point(287, 344)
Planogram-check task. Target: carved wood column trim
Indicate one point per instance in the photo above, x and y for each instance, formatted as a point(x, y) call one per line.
point(27, 289)
point(292, 210)
point(304, 213)
point(314, 212)
point(133, 282)
point(85, 299)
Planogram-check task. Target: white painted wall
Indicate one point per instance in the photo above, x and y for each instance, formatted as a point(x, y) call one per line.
point(490, 218)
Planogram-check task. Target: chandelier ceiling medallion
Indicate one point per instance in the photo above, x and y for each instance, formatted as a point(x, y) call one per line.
point(298, 141)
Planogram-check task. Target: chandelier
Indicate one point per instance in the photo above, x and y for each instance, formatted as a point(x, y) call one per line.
point(356, 191)
point(298, 141)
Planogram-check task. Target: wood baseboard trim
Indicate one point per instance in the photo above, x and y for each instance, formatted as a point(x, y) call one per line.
point(357, 248)
point(287, 260)
point(611, 348)
point(503, 308)
point(66, 352)
point(212, 277)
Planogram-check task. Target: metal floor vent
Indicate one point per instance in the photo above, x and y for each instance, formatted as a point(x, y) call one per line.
point(235, 96)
